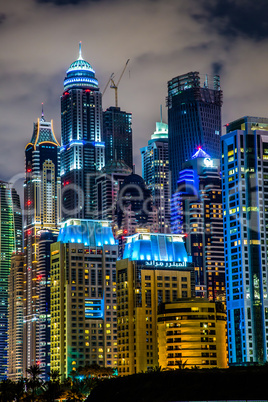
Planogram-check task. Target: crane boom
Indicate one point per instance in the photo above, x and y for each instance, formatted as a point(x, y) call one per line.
point(110, 78)
point(115, 86)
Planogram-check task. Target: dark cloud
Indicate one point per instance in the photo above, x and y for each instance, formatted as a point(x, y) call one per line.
point(217, 68)
point(232, 18)
point(2, 17)
point(66, 2)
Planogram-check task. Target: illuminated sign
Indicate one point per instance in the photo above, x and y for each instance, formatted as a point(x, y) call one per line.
point(166, 264)
point(208, 162)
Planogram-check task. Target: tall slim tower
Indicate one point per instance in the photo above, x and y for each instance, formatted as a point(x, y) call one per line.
point(42, 210)
point(117, 135)
point(196, 210)
point(82, 151)
point(155, 171)
point(245, 202)
point(194, 119)
point(11, 240)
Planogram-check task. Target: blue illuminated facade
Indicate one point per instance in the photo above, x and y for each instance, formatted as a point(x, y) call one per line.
point(156, 247)
point(82, 150)
point(245, 202)
point(88, 232)
point(194, 119)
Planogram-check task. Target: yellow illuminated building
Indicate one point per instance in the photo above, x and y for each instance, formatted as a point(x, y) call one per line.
point(192, 333)
point(142, 285)
point(83, 297)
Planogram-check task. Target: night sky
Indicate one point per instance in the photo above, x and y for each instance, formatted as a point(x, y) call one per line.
point(162, 39)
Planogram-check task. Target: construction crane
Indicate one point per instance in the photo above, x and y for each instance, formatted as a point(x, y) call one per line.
point(114, 85)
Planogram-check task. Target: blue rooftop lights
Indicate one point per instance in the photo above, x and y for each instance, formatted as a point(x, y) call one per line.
point(156, 247)
point(88, 232)
point(80, 74)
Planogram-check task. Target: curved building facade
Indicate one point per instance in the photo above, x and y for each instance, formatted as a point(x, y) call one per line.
point(192, 333)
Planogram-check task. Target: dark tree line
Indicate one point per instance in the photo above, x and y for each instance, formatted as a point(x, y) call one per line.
point(76, 388)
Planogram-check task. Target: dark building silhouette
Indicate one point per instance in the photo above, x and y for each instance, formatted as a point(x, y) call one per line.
point(135, 211)
point(117, 135)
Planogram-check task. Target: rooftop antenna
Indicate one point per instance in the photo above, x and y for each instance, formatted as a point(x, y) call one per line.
point(80, 51)
point(42, 114)
point(161, 113)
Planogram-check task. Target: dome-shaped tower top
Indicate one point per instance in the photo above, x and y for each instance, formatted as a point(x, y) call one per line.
point(80, 74)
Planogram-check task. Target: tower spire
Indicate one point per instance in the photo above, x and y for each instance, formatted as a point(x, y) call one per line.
point(42, 112)
point(80, 51)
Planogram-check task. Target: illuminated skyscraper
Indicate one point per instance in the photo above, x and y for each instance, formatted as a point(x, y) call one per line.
point(82, 150)
point(155, 269)
point(42, 212)
point(194, 119)
point(15, 317)
point(196, 210)
point(117, 135)
point(245, 202)
point(11, 241)
point(83, 296)
point(155, 171)
point(47, 237)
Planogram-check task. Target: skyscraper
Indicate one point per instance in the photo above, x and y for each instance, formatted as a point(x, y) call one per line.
point(155, 171)
point(82, 150)
point(117, 135)
point(108, 184)
point(15, 317)
point(196, 210)
point(83, 296)
point(47, 237)
point(135, 211)
point(11, 241)
point(245, 202)
point(194, 119)
point(155, 268)
point(42, 211)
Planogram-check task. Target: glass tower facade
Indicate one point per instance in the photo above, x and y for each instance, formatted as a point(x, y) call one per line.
point(194, 119)
point(11, 241)
point(245, 202)
point(82, 149)
point(155, 171)
point(117, 135)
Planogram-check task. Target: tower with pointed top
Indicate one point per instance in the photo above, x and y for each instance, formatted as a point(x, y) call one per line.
point(42, 213)
point(82, 149)
point(155, 171)
point(196, 212)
